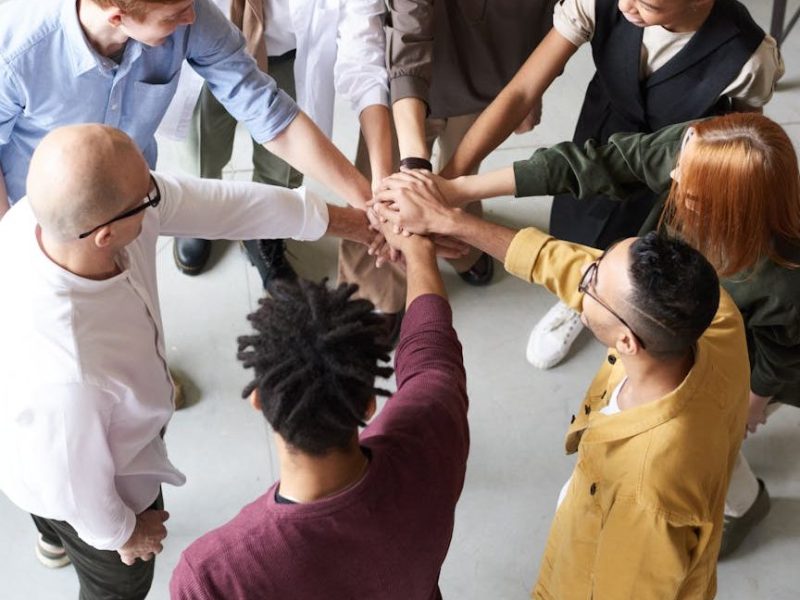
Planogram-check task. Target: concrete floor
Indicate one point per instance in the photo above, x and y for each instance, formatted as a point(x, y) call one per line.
point(518, 415)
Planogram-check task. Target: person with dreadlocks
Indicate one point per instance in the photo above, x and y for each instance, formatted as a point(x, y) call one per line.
point(367, 516)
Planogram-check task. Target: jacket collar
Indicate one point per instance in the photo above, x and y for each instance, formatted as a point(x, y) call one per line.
point(592, 427)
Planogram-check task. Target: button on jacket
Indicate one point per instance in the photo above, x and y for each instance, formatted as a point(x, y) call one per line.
point(642, 517)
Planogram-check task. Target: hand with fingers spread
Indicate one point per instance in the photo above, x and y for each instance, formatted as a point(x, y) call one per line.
point(145, 541)
point(411, 201)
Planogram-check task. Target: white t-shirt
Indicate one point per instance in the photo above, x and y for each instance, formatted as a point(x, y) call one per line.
point(612, 408)
point(754, 86)
point(279, 32)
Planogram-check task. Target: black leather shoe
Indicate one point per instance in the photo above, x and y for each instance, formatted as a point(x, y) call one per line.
point(191, 255)
point(269, 257)
point(481, 272)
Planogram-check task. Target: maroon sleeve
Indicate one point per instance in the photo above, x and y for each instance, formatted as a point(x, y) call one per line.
point(429, 409)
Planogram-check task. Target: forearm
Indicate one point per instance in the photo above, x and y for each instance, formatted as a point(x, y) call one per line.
point(308, 150)
point(471, 188)
point(375, 124)
point(409, 121)
point(488, 237)
point(511, 106)
point(422, 271)
point(348, 223)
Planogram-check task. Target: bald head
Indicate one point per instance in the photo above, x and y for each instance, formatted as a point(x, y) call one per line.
point(83, 175)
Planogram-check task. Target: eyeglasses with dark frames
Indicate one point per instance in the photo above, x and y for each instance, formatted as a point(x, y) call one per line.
point(589, 280)
point(152, 199)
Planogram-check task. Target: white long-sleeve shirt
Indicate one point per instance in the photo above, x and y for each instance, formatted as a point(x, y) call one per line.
point(341, 48)
point(84, 388)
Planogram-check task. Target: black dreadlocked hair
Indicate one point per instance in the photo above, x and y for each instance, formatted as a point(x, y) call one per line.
point(315, 354)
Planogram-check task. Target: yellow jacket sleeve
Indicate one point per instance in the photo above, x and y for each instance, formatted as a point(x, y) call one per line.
point(540, 258)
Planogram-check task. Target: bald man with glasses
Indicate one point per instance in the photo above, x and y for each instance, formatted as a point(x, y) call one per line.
point(86, 394)
point(659, 429)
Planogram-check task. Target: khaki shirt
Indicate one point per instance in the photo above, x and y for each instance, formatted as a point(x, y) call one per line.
point(643, 514)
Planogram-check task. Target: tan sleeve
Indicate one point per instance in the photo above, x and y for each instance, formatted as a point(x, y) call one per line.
point(574, 20)
point(755, 84)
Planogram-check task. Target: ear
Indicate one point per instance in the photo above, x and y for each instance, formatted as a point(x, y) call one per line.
point(372, 406)
point(103, 237)
point(626, 344)
point(114, 16)
point(255, 400)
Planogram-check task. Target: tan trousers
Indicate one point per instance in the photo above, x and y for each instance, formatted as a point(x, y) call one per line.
point(386, 287)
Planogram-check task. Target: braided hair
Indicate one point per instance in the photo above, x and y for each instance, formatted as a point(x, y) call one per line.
point(315, 354)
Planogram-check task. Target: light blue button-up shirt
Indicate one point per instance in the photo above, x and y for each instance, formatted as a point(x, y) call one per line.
point(51, 76)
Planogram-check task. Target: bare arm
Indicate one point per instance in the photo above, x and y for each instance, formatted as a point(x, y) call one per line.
point(309, 150)
point(513, 104)
point(349, 223)
point(409, 120)
point(376, 129)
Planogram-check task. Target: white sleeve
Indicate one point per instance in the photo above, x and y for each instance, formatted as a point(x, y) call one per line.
point(238, 210)
point(360, 73)
point(756, 81)
point(575, 20)
point(74, 466)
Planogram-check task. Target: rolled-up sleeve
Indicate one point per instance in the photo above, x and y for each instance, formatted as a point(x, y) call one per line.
point(216, 50)
point(409, 48)
point(10, 103)
point(360, 73)
point(539, 258)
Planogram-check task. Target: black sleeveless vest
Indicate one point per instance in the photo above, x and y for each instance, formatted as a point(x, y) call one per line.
point(687, 87)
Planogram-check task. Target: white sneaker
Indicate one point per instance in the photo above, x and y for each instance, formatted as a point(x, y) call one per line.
point(552, 336)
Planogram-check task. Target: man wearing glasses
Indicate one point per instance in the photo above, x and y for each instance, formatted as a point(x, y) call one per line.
point(86, 395)
point(659, 428)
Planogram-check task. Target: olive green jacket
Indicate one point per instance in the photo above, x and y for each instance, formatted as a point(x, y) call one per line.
point(768, 296)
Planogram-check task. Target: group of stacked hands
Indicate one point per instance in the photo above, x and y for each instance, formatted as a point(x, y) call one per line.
point(660, 488)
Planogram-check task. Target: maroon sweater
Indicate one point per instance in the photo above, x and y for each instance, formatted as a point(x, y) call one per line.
point(386, 537)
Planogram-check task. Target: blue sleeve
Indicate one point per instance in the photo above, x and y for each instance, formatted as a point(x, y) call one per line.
point(10, 104)
point(216, 50)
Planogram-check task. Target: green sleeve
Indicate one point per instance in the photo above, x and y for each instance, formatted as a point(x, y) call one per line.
point(775, 360)
point(628, 163)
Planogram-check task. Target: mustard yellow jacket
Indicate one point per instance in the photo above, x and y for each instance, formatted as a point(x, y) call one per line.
point(643, 515)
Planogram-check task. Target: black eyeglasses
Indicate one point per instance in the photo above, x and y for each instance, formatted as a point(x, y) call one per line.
point(588, 280)
point(152, 199)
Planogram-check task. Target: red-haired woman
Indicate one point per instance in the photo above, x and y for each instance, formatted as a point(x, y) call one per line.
point(731, 188)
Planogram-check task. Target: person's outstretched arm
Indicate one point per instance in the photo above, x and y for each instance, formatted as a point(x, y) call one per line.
point(512, 105)
point(626, 164)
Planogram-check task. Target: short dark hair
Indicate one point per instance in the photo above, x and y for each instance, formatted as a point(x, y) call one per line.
point(675, 293)
point(315, 355)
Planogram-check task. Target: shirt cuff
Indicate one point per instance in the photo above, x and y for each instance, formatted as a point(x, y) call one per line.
point(409, 86)
point(280, 112)
point(524, 251)
point(761, 386)
point(377, 95)
point(315, 216)
point(531, 176)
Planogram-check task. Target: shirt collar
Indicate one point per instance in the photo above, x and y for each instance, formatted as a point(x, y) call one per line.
point(82, 55)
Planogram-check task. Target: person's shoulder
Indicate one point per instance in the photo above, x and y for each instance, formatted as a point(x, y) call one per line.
point(25, 25)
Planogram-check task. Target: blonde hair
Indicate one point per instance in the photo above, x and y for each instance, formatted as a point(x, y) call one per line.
point(135, 8)
point(738, 196)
